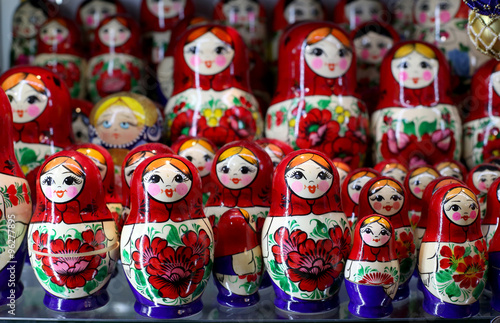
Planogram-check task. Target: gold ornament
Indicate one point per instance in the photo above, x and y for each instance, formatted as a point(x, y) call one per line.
point(484, 31)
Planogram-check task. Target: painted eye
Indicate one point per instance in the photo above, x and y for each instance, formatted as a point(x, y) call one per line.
point(190, 158)
point(18, 20)
point(395, 198)
point(219, 50)
point(425, 65)
point(384, 233)
point(32, 99)
point(473, 206)
point(444, 6)
point(416, 183)
point(369, 231)
point(483, 179)
point(106, 30)
point(225, 169)
point(298, 175)
point(322, 176)
point(69, 181)
point(299, 12)
point(207, 158)
point(357, 187)
point(378, 198)
point(11, 98)
point(236, 10)
point(178, 179)
point(424, 7)
point(48, 181)
point(193, 49)
point(59, 31)
point(155, 179)
point(121, 30)
point(455, 208)
point(342, 52)
point(403, 65)
point(358, 11)
point(124, 125)
point(245, 170)
point(315, 12)
point(106, 124)
point(317, 51)
point(381, 45)
point(374, 11)
point(367, 45)
point(249, 9)
point(92, 11)
point(105, 11)
point(275, 164)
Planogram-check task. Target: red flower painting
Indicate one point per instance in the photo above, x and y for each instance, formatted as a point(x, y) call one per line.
point(39, 243)
point(317, 131)
point(377, 278)
point(187, 124)
point(405, 246)
point(470, 271)
point(146, 251)
point(240, 120)
point(450, 257)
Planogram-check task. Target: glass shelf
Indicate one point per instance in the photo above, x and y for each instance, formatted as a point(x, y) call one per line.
point(121, 307)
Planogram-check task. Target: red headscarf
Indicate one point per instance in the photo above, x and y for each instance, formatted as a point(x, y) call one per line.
point(71, 45)
point(235, 234)
point(131, 47)
point(151, 22)
point(351, 208)
point(279, 20)
point(415, 203)
point(8, 161)
point(493, 207)
point(479, 168)
point(485, 102)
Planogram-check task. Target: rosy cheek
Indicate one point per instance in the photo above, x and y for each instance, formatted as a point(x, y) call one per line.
point(155, 8)
point(399, 15)
point(444, 16)
point(456, 216)
point(317, 63)
point(72, 191)
point(403, 76)
point(195, 60)
point(208, 165)
point(365, 54)
point(225, 179)
point(343, 64)
point(45, 38)
point(355, 198)
point(396, 205)
point(105, 37)
point(473, 215)
point(375, 17)
point(251, 16)
point(220, 60)
point(422, 17)
point(60, 38)
point(384, 239)
point(122, 37)
point(482, 186)
point(90, 20)
point(33, 110)
point(357, 20)
point(383, 51)
point(417, 190)
point(181, 189)
point(297, 186)
point(323, 186)
point(366, 237)
point(377, 206)
point(427, 75)
point(246, 179)
point(177, 7)
point(47, 191)
point(154, 189)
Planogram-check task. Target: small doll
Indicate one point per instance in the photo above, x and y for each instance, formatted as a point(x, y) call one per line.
point(167, 244)
point(451, 168)
point(489, 223)
point(116, 59)
point(453, 255)
point(276, 149)
point(350, 14)
point(417, 180)
point(80, 120)
point(372, 268)
point(479, 181)
point(392, 168)
point(73, 239)
point(60, 50)
point(90, 13)
point(343, 169)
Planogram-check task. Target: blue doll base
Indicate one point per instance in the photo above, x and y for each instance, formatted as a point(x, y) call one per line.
point(403, 291)
point(88, 303)
point(238, 300)
point(266, 281)
point(436, 307)
point(286, 302)
point(494, 279)
point(368, 301)
point(10, 295)
point(168, 312)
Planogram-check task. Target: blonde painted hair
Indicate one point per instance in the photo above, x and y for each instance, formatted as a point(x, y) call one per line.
point(420, 48)
point(243, 152)
point(376, 219)
point(193, 142)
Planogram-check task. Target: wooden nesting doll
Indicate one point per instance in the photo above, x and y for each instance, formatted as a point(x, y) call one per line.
point(350, 192)
point(212, 96)
point(288, 12)
point(372, 40)
point(392, 168)
point(387, 197)
point(314, 106)
point(238, 263)
point(201, 152)
point(416, 121)
point(90, 13)
point(276, 149)
point(494, 270)
point(116, 58)
point(158, 18)
point(60, 50)
point(167, 245)
point(28, 18)
point(352, 13)
point(402, 17)
point(489, 223)
point(482, 124)
point(453, 254)
point(104, 162)
point(479, 181)
point(41, 109)
point(343, 169)
point(416, 181)
point(122, 121)
point(372, 268)
point(452, 168)
point(133, 159)
point(73, 240)
point(306, 237)
point(15, 211)
point(80, 120)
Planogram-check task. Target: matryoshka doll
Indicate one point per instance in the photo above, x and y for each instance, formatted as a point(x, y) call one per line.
point(416, 181)
point(276, 149)
point(416, 121)
point(402, 17)
point(90, 13)
point(479, 181)
point(15, 211)
point(122, 121)
point(201, 152)
point(452, 168)
point(392, 168)
point(306, 219)
point(104, 163)
point(80, 120)
point(238, 263)
point(130, 163)
point(314, 106)
point(350, 192)
point(453, 256)
point(489, 223)
point(343, 169)
point(372, 268)
point(41, 109)
point(28, 18)
point(352, 13)
point(167, 245)
point(482, 124)
point(387, 197)
point(59, 50)
point(73, 239)
point(158, 18)
point(494, 270)
point(212, 96)
point(116, 63)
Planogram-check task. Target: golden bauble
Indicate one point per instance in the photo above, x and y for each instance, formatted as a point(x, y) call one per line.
point(484, 31)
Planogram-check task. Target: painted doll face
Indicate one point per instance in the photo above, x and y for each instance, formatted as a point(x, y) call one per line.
point(167, 184)
point(80, 126)
point(95, 12)
point(419, 182)
point(395, 173)
point(201, 158)
point(118, 125)
point(414, 71)
point(452, 170)
point(375, 234)
point(328, 58)
point(236, 173)
point(300, 10)
point(372, 47)
point(54, 33)
point(361, 11)
point(387, 201)
point(461, 209)
point(166, 8)
point(482, 180)
point(309, 180)
point(60, 185)
point(27, 21)
point(114, 34)
point(495, 82)
point(26, 102)
point(129, 170)
point(354, 188)
point(241, 11)
point(430, 12)
point(208, 55)
point(342, 175)
point(403, 10)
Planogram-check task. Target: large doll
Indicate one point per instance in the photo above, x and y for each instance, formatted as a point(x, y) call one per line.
point(60, 50)
point(306, 227)
point(314, 106)
point(90, 13)
point(212, 96)
point(116, 58)
point(453, 254)
point(416, 121)
point(352, 13)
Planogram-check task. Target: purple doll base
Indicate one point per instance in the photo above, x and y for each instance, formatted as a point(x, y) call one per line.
point(286, 302)
point(227, 298)
point(88, 303)
point(368, 301)
point(266, 281)
point(7, 297)
point(403, 291)
point(11, 273)
point(436, 307)
point(494, 279)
